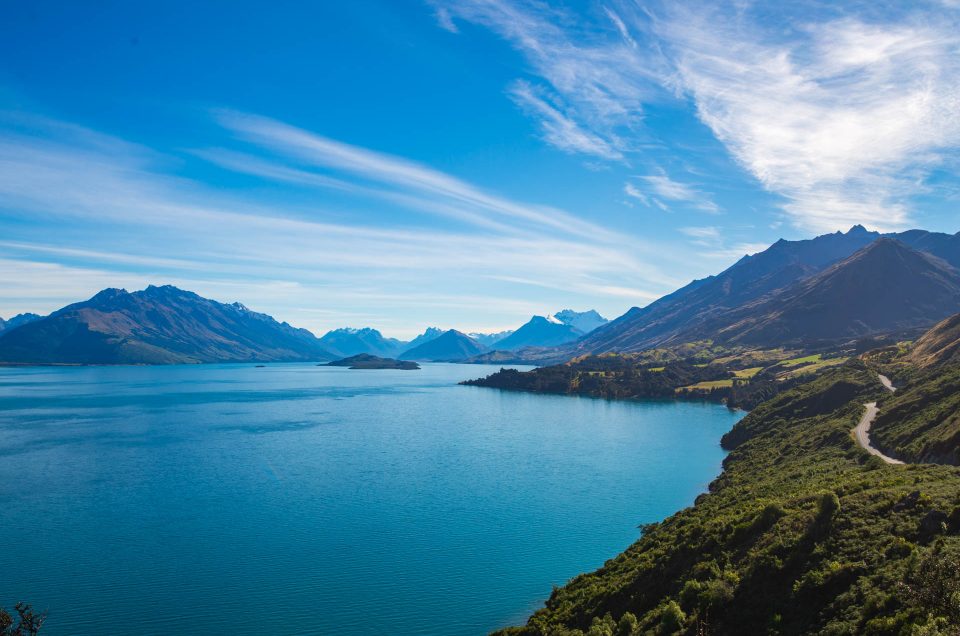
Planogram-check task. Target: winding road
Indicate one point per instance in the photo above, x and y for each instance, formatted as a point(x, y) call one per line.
point(862, 431)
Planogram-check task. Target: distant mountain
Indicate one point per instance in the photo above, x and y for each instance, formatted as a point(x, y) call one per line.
point(158, 325)
point(583, 321)
point(350, 342)
point(539, 331)
point(490, 339)
point(450, 346)
point(18, 320)
point(430, 334)
point(693, 308)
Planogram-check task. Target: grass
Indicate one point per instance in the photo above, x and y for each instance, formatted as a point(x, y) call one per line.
point(804, 360)
point(815, 367)
point(746, 374)
point(712, 384)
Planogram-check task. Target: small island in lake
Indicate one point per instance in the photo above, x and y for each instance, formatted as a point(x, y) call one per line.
point(368, 361)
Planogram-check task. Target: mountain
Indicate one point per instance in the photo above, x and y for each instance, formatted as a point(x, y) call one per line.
point(582, 321)
point(785, 263)
point(350, 342)
point(18, 320)
point(449, 346)
point(158, 325)
point(430, 334)
point(885, 287)
point(489, 339)
point(939, 345)
point(539, 331)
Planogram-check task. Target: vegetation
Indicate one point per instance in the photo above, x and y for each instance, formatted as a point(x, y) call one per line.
point(27, 623)
point(802, 533)
point(738, 378)
point(921, 421)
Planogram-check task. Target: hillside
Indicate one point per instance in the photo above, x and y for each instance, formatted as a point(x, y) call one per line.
point(350, 342)
point(885, 287)
point(450, 346)
point(158, 325)
point(939, 345)
point(706, 305)
point(802, 533)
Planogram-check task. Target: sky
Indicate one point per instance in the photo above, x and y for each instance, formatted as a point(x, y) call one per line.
point(401, 164)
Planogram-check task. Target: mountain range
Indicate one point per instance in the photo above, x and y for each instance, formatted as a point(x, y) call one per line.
point(830, 289)
point(776, 294)
point(449, 346)
point(158, 325)
point(348, 342)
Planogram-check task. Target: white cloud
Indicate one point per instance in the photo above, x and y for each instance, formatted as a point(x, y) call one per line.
point(595, 78)
point(704, 236)
point(842, 111)
point(842, 118)
point(661, 186)
point(632, 191)
point(559, 129)
point(123, 220)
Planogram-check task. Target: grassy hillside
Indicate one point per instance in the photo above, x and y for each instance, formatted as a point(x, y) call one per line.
point(803, 533)
point(921, 421)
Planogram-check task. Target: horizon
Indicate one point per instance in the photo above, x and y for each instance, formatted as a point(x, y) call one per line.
point(410, 335)
point(464, 163)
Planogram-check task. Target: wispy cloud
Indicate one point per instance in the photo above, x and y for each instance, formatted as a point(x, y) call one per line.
point(560, 129)
point(842, 117)
point(660, 186)
point(840, 110)
point(124, 220)
point(594, 77)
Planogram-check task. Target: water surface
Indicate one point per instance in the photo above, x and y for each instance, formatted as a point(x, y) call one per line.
point(296, 499)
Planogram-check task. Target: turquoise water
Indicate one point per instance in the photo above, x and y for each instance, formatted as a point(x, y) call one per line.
point(296, 499)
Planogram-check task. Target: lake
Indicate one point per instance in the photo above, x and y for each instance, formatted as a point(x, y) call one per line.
point(296, 499)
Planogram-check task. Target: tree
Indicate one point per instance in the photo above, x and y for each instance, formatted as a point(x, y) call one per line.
point(29, 621)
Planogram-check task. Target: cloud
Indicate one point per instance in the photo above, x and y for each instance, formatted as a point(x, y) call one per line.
point(124, 219)
point(704, 236)
point(595, 78)
point(632, 191)
point(559, 129)
point(454, 195)
point(661, 186)
point(842, 117)
point(841, 110)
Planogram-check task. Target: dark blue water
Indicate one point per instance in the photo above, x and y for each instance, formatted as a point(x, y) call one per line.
point(296, 499)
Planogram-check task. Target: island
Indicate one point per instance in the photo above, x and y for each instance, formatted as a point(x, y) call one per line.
point(368, 361)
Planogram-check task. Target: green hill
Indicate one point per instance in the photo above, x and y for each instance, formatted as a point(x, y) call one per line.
point(802, 533)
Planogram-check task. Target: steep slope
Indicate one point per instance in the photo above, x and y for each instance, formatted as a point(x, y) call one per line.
point(885, 287)
point(783, 264)
point(539, 332)
point(350, 342)
point(939, 345)
point(158, 325)
point(802, 533)
point(451, 345)
point(582, 321)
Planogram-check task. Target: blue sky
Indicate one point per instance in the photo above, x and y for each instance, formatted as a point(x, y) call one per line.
point(457, 163)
